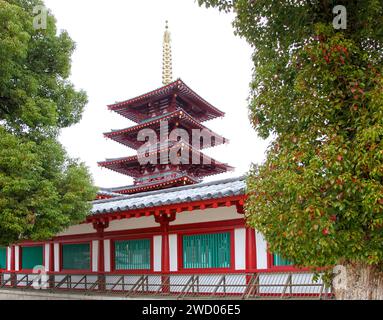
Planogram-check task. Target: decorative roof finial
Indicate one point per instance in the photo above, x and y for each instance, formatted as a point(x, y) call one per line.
point(167, 75)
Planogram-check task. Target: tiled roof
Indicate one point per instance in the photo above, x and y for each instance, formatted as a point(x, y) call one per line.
point(202, 191)
point(106, 192)
point(178, 86)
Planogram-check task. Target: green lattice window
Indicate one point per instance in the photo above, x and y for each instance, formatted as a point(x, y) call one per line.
point(31, 257)
point(206, 251)
point(3, 258)
point(279, 261)
point(76, 256)
point(132, 254)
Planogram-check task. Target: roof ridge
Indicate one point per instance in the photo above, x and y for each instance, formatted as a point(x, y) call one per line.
point(145, 123)
point(175, 189)
point(176, 82)
point(145, 94)
point(106, 192)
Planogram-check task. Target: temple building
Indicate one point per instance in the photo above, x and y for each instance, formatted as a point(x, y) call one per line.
point(168, 231)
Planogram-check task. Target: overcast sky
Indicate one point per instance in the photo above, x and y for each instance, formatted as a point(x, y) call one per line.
point(119, 56)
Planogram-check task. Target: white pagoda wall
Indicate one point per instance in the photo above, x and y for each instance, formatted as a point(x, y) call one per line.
point(173, 251)
point(207, 215)
point(261, 251)
point(157, 243)
point(239, 248)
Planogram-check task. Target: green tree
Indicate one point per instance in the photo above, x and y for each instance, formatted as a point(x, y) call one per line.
point(42, 190)
point(318, 91)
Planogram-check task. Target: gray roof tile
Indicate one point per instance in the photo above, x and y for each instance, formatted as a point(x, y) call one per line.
point(107, 192)
point(196, 192)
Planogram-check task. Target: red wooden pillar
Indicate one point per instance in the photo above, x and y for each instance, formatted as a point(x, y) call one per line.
point(13, 266)
point(250, 247)
point(100, 226)
point(101, 259)
point(100, 264)
point(164, 221)
point(51, 265)
point(51, 257)
point(165, 263)
point(165, 260)
point(251, 259)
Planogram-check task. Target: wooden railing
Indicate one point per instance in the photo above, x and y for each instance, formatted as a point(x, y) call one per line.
point(267, 285)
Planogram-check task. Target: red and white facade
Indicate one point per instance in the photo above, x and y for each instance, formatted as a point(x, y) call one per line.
point(165, 226)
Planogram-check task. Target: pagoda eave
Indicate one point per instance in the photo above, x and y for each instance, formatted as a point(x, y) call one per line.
point(183, 180)
point(189, 157)
point(127, 108)
point(133, 168)
point(128, 136)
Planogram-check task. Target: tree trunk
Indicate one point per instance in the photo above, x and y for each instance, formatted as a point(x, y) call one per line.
point(358, 282)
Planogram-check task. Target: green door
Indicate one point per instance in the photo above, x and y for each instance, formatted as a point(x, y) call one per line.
point(3, 258)
point(206, 250)
point(31, 257)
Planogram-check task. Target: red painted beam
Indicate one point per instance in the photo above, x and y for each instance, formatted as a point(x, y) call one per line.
point(191, 206)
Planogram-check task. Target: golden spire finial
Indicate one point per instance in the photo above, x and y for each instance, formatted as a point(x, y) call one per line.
point(167, 58)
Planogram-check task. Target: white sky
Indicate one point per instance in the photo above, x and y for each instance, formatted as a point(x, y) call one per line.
point(119, 56)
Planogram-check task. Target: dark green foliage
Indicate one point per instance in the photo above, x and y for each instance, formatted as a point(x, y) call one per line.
point(42, 191)
point(318, 197)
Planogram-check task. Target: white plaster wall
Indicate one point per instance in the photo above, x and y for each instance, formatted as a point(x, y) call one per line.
point(57, 257)
point(132, 223)
point(47, 250)
point(78, 229)
point(95, 255)
point(17, 258)
point(261, 251)
point(173, 251)
point(107, 256)
point(8, 259)
point(157, 242)
point(207, 215)
point(240, 248)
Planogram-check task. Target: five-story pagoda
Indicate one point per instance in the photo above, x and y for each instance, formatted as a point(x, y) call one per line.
point(168, 135)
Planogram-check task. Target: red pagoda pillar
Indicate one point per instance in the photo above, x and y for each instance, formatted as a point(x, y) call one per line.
point(13, 266)
point(51, 264)
point(51, 257)
point(165, 262)
point(251, 261)
point(250, 247)
point(164, 221)
point(101, 259)
point(100, 226)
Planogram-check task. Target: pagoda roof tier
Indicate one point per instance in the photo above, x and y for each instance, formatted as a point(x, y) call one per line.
point(136, 109)
point(175, 181)
point(128, 136)
point(132, 166)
